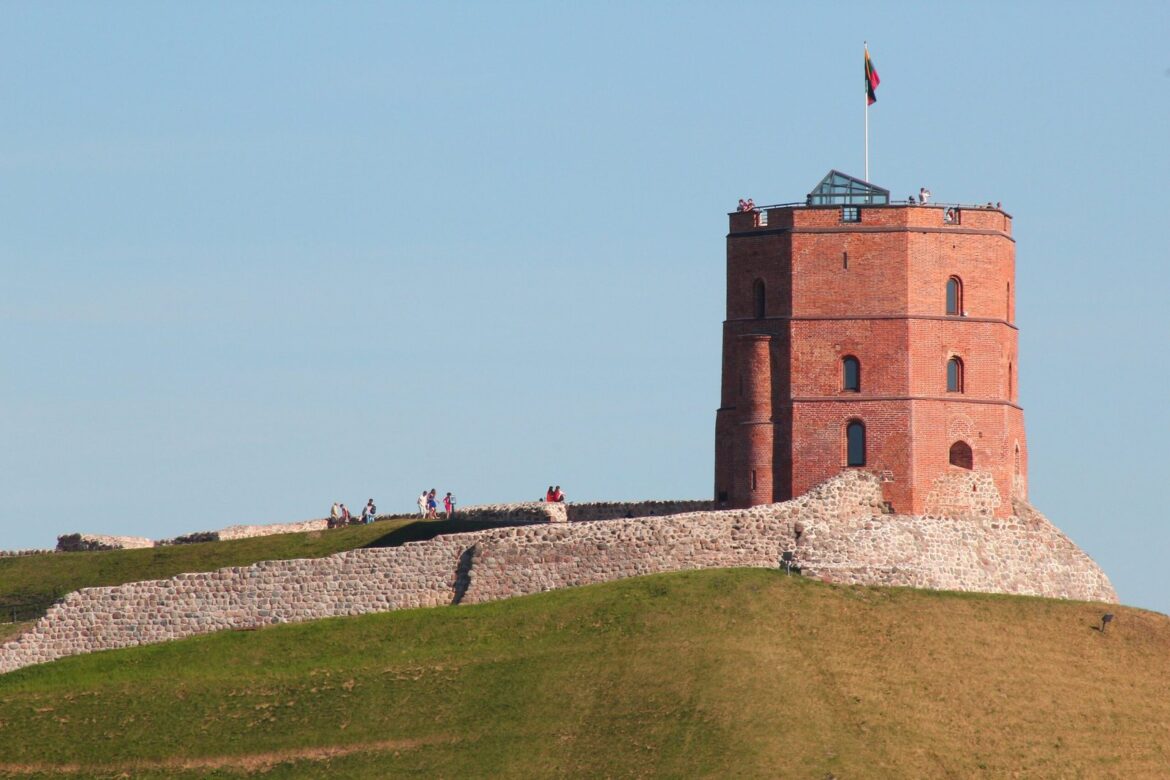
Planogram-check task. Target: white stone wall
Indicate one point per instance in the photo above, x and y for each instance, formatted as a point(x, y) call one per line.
point(251, 531)
point(835, 532)
point(613, 510)
point(71, 542)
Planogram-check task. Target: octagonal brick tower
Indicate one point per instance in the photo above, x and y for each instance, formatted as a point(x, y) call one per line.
point(864, 333)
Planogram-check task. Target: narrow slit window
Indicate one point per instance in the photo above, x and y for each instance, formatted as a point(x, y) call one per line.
point(851, 369)
point(954, 375)
point(759, 299)
point(855, 443)
point(954, 296)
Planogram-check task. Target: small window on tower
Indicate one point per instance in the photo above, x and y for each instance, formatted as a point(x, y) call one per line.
point(850, 214)
point(759, 299)
point(855, 443)
point(954, 296)
point(851, 368)
point(961, 455)
point(954, 375)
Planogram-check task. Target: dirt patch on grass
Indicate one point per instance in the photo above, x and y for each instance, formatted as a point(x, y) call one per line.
point(253, 762)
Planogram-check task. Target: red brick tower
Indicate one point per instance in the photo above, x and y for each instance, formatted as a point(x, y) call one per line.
point(867, 334)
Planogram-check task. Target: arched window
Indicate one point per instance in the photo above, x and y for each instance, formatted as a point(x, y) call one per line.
point(954, 296)
point(961, 455)
point(851, 368)
point(1009, 380)
point(855, 443)
point(954, 375)
point(758, 299)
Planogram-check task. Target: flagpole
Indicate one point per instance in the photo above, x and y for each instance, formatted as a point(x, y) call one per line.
point(866, 45)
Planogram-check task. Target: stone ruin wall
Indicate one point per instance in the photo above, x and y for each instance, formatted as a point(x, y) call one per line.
point(834, 532)
point(504, 514)
point(252, 531)
point(543, 512)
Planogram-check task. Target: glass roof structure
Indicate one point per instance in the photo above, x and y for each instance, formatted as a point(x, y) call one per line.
point(838, 189)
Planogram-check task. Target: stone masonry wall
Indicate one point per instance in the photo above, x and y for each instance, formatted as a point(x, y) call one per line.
point(524, 513)
point(1023, 554)
point(612, 510)
point(542, 512)
point(835, 532)
point(139, 613)
point(90, 542)
point(251, 531)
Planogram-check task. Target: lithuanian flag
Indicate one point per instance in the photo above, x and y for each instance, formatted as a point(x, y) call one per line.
point(871, 80)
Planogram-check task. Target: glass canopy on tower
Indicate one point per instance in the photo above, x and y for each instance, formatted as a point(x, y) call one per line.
point(837, 189)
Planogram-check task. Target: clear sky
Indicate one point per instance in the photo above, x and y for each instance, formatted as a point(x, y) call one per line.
point(259, 257)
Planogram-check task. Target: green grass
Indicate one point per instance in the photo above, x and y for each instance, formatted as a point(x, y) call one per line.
point(40, 579)
point(740, 673)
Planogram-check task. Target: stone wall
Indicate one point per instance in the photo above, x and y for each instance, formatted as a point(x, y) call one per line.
point(525, 513)
point(835, 532)
point(351, 583)
point(541, 512)
point(1022, 554)
point(613, 510)
point(960, 493)
point(251, 531)
point(92, 542)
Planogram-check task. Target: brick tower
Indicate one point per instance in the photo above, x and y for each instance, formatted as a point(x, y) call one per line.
point(863, 333)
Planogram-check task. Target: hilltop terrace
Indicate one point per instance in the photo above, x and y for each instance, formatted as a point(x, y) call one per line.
point(844, 202)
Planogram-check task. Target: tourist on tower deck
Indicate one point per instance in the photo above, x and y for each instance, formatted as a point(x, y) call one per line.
point(549, 495)
point(558, 496)
point(449, 503)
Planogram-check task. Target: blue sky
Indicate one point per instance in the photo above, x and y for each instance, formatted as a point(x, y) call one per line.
point(260, 257)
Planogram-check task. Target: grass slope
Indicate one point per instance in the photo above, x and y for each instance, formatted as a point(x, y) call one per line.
point(734, 673)
point(41, 579)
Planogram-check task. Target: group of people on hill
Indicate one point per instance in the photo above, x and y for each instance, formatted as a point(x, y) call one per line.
point(554, 495)
point(339, 515)
point(428, 506)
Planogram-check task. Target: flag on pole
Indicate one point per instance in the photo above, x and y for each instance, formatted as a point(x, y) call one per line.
point(871, 80)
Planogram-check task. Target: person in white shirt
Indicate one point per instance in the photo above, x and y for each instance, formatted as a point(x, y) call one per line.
point(422, 504)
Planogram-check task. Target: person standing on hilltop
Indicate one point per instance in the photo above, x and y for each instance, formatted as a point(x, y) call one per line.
point(335, 515)
point(432, 506)
point(449, 503)
point(369, 512)
point(549, 495)
point(422, 504)
point(558, 496)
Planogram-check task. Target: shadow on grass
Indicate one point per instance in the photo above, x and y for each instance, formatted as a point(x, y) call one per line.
point(422, 530)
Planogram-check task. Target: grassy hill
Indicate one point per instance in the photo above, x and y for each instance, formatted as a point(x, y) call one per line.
point(733, 673)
